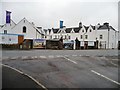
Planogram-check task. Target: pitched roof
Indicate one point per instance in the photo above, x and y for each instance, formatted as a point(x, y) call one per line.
point(76, 30)
point(49, 30)
point(55, 30)
point(86, 28)
point(112, 28)
point(68, 30)
point(39, 27)
point(102, 27)
point(105, 27)
point(93, 27)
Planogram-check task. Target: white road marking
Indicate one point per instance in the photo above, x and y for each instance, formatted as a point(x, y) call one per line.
point(105, 77)
point(115, 59)
point(51, 56)
point(14, 58)
point(43, 57)
point(74, 55)
point(26, 75)
point(104, 58)
point(66, 55)
point(34, 57)
point(24, 57)
point(70, 60)
point(58, 55)
point(114, 64)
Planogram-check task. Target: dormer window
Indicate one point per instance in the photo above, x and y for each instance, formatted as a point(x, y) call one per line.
point(24, 29)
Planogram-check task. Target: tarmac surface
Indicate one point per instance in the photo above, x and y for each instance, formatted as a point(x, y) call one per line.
point(13, 79)
point(67, 69)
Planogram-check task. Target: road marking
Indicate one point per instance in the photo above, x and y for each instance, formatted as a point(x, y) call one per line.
point(66, 55)
point(12, 68)
point(34, 57)
point(50, 56)
point(58, 55)
point(13, 58)
point(70, 60)
point(74, 55)
point(26, 75)
point(43, 57)
point(114, 64)
point(115, 59)
point(105, 77)
point(24, 57)
point(110, 61)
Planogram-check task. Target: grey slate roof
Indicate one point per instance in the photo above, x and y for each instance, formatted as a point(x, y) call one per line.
point(86, 28)
point(102, 27)
point(55, 30)
point(49, 30)
point(76, 30)
point(105, 27)
point(68, 30)
point(93, 27)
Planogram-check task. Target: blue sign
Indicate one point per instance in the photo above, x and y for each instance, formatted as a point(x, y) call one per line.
point(8, 16)
point(61, 24)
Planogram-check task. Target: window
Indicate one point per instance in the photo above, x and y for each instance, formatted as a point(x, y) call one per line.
point(55, 36)
point(65, 37)
point(5, 31)
point(3, 37)
point(82, 30)
point(51, 37)
point(42, 36)
point(9, 39)
point(86, 36)
point(69, 37)
point(24, 29)
point(81, 37)
point(101, 36)
point(90, 30)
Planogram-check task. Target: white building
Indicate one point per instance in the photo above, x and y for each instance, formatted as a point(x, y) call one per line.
point(24, 27)
point(105, 34)
point(23, 34)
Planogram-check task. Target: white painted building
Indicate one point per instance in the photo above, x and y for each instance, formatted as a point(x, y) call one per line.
point(105, 34)
point(24, 27)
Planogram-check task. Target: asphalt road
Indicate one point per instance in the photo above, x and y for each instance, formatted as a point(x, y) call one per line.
point(69, 69)
point(19, 53)
point(13, 79)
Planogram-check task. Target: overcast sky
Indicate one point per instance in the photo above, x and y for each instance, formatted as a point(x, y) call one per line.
point(48, 13)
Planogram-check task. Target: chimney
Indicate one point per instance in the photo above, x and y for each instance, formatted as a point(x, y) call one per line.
point(107, 24)
point(97, 26)
point(80, 24)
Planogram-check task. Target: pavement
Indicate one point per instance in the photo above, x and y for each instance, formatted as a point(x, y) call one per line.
point(13, 79)
point(67, 69)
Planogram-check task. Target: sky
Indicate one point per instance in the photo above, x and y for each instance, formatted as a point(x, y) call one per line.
point(48, 13)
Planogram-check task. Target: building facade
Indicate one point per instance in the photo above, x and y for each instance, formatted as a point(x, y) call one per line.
point(24, 33)
point(24, 27)
point(105, 35)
